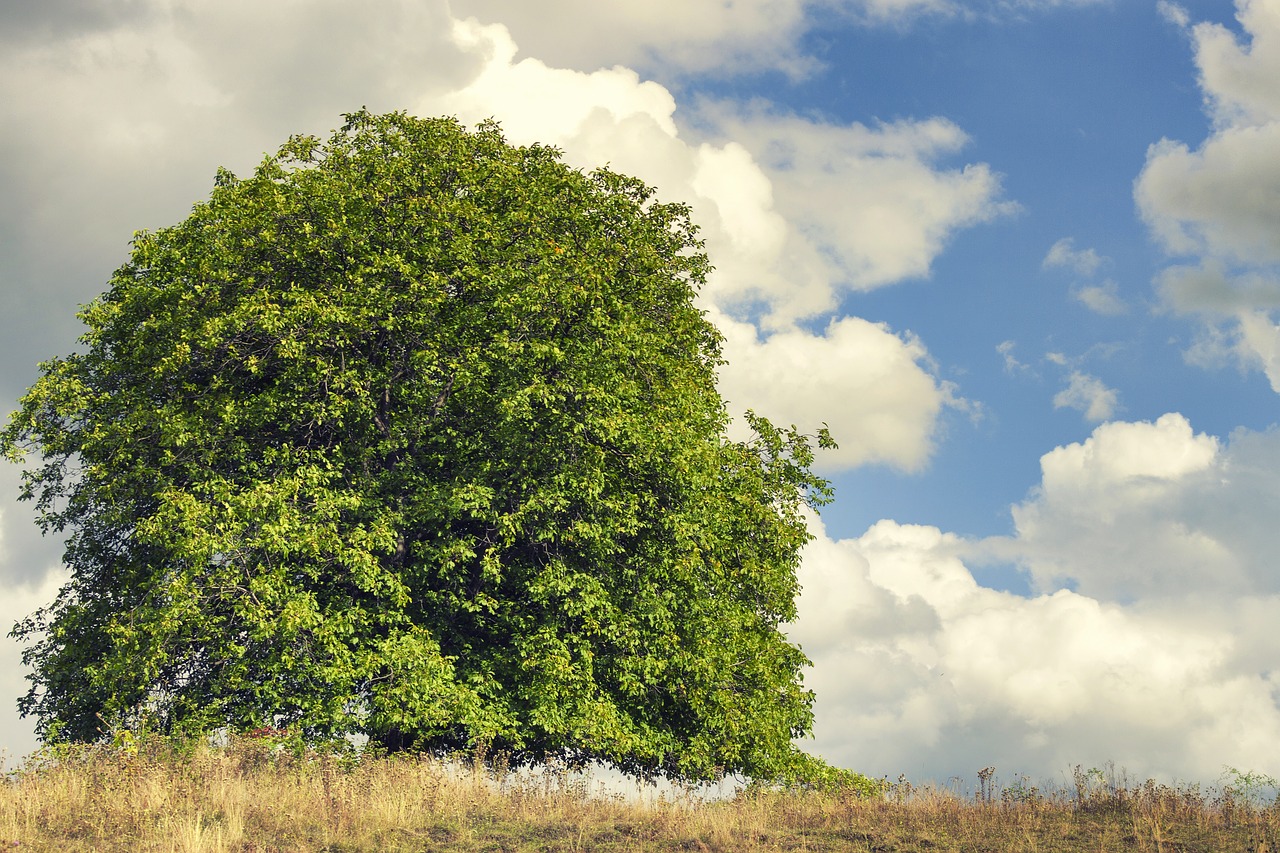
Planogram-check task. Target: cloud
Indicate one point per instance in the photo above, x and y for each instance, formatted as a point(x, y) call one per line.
point(1151, 510)
point(25, 555)
point(1063, 253)
point(871, 206)
point(1237, 75)
point(876, 389)
point(1218, 200)
point(1212, 290)
point(18, 603)
point(1090, 395)
point(1173, 13)
point(1099, 297)
point(117, 119)
point(1102, 298)
point(794, 210)
point(1011, 363)
point(1167, 536)
point(678, 39)
point(871, 386)
point(668, 34)
point(1216, 204)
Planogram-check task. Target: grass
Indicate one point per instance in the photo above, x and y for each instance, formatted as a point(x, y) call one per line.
point(251, 797)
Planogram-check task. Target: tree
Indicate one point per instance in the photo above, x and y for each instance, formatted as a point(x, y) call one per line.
point(415, 433)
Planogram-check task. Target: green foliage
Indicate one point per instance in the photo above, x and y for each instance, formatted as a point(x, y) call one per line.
point(415, 434)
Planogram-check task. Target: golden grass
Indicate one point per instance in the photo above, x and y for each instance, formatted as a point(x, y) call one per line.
point(252, 798)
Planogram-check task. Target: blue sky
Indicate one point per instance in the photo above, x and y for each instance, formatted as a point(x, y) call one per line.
point(1022, 256)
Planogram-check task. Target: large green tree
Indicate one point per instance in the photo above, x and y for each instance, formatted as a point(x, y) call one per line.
point(415, 433)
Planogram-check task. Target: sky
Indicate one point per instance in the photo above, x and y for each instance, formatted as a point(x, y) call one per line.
point(1021, 256)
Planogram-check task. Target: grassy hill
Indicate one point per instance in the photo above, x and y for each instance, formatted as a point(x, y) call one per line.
point(253, 796)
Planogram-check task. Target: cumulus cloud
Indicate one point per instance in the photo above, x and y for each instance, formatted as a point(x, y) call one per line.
point(1152, 510)
point(872, 386)
point(1235, 74)
point(1166, 535)
point(1211, 290)
point(167, 97)
point(794, 210)
point(1216, 203)
point(871, 205)
point(1218, 200)
point(1090, 395)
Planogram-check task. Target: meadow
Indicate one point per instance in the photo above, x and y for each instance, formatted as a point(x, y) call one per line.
point(253, 796)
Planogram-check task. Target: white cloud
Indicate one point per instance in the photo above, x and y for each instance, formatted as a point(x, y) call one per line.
point(1210, 289)
point(920, 670)
point(1237, 75)
point(1063, 253)
point(1011, 362)
point(1173, 13)
point(1090, 395)
point(18, 603)
point(794, 210)
point(1102, 298)
point(870, 386)
point(1218, 200)
point(875, 388)
point(1168, 537)
point(1149, 511)
point(1251, 341)
point(30, 576)
point(1260, 344)
point(870, 206)
point(1217, 203)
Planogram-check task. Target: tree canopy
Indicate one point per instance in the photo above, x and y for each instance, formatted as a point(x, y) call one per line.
point(415, 433)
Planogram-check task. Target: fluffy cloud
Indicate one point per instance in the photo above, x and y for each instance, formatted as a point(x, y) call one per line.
point(1153, 511)
point(1090, 395)
point(1236, 76)
point(162, 96)
point(875, 203)
point(1211, 290)
point(870, 385)
point(794, 210)
point(1218, 200)
point(1217, 203)
point(1167, 638)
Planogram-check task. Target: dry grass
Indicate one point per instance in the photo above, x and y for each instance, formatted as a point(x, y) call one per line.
point(249, 797)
